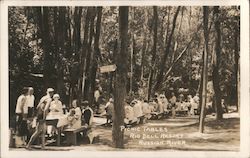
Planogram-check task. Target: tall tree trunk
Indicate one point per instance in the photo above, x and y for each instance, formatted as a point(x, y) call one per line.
point(155, 17)
point(216, 66)
point(236, 64)
point(45, 35)
point(205, 70)
point(83, 52)
point(89, 55)
point(167, 50)
point(97, 54)
point(77, 28)
point(121, 79)
point(61, 52)
point(144, 45)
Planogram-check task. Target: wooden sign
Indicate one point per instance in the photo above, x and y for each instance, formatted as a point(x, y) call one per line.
point(107, 68)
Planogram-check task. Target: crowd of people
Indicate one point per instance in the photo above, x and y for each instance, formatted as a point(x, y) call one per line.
point(80, 113)
point(29, 116)
point(159, 104)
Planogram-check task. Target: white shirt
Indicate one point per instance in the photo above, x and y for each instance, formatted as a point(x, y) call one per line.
point(20, 105)
point(97, 95)
point(129, 112)
point(30, 99)
point(44, 102)
point(138, 109)
point(145, 108)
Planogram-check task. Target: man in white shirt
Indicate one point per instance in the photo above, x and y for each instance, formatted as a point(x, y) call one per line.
point(21, 122)
point(30, 99)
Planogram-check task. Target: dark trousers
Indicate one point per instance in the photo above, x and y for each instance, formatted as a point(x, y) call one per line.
point(30, 112)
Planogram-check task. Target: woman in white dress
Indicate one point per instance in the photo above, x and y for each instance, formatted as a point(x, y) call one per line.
point(56, 111)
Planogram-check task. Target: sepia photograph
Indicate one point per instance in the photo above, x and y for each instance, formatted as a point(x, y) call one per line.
point(124, 78)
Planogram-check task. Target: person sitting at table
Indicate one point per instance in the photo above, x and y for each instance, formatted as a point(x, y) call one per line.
point(172, 101)
point(87, 113)
point(41, 114)
point(56, 111)
point(56, 107)
point(153, 105)
point(137, 107)
point(129, 114)
point(75, 115)
point(164, 101)
point(146, 109)
point(160, 103)
point(190, 103)
point(101, 111)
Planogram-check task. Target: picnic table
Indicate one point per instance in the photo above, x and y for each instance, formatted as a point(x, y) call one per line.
point(71, 133)
point(58, 121)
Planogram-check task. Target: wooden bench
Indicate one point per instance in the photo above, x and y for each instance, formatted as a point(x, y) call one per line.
point(142, 119)
point(181, 112)
point(71, 134)
point(156, 116)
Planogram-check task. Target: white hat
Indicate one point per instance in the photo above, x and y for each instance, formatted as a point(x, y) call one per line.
point(56, 96)
point(50, 90)
point(111, 100)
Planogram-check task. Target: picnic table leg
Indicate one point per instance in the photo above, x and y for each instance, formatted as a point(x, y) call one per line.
point(59, 137)
point(43, 134)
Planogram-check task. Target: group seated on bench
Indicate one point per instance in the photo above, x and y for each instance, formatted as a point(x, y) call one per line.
point(80, 122)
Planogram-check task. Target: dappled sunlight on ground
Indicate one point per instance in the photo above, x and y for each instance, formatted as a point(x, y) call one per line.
point(181, 134)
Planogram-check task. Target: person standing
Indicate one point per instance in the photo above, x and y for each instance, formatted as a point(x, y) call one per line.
point(97, 95)
point(21, 118)
point(110, 110)
point(172, 101)
point(42, 111)
point(88, 113)
point(30, 102)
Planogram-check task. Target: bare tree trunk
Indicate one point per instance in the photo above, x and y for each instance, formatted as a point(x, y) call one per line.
point(45, 35)
point(96, 54)
point(144, 45)
point(60, 52)
point(155, 18)
point(205, 64)
point(121, 79)
point(89, 55)
point(77, 28)
point(216, 66)
point(236, 64)
point(83, 52)
point(169, 42)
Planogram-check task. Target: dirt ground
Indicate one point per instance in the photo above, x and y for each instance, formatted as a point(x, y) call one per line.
point(180, 133)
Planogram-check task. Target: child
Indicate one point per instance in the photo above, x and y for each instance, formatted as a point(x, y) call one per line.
point(74, 116)
point(110, 110)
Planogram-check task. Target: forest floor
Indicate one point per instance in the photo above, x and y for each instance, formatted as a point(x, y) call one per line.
point(180, 133)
